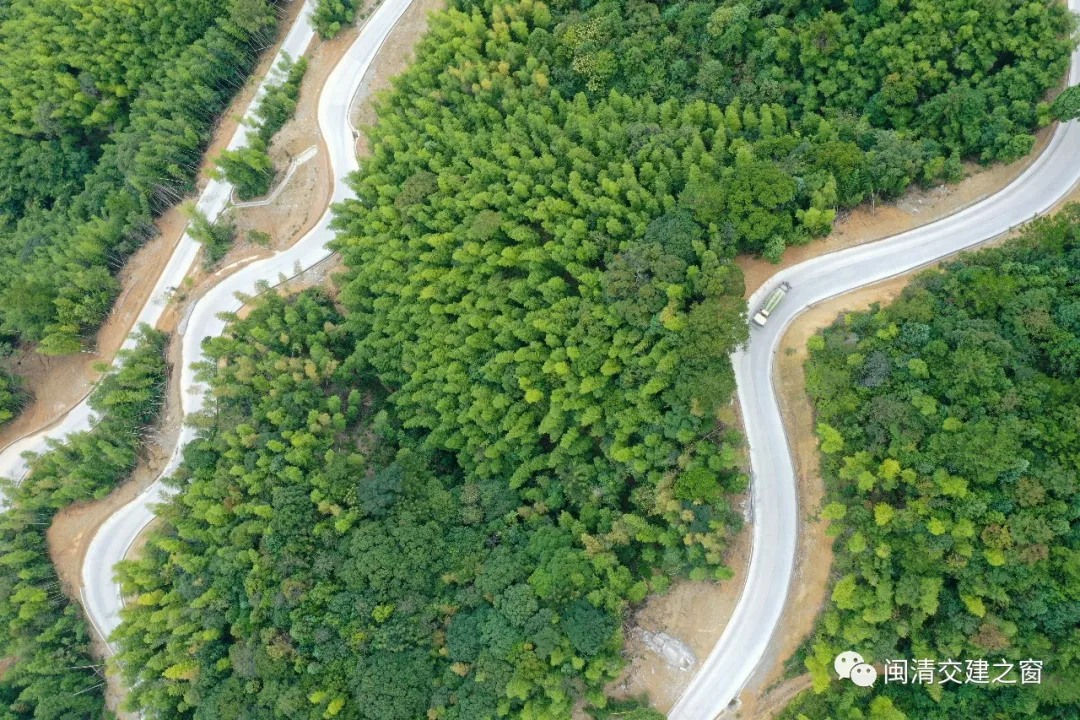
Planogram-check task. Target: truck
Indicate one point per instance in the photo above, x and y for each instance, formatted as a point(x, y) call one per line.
point(770, 304)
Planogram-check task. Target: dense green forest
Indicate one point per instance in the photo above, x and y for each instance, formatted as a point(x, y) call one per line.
point(69, 72)
point(497, 301)
point(216, 237)
point(630, 709)
point(949, 433)
point(47, 638)
point(105, 108)
point(322, 561)
point(961, 75)
point(440, 498)
point(107, 105)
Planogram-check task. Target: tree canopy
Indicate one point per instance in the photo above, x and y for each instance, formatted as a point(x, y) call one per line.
point(106, 108)
point(331, 15)
point(953, 482)
point(69, 71)
point(967, 75)
point(12, 396)
point(321, 560)
point(52, 675)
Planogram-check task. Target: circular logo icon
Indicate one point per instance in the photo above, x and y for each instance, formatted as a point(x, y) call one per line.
point(845, 661)
point(863, 675)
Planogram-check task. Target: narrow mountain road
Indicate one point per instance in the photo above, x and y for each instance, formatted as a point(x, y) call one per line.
point(101, 595)
point(744, 642)
point(212, 201)
point(742, 646)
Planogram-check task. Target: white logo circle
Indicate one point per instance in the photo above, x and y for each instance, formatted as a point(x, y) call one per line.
point(845, 661)
point(863, 675)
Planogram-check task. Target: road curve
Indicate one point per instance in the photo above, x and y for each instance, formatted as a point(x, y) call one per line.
point(775, 506)
point(212, 201)
point(744, 642)
point(101, 594)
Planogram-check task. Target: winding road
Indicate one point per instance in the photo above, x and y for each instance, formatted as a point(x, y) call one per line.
point(212, 201)
point(101, 595)
point(774, 496)
point(744, 642)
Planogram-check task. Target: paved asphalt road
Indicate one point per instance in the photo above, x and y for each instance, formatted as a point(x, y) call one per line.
point(101, 595)
point(735, 657)
point(743, 644)
point(212, 200)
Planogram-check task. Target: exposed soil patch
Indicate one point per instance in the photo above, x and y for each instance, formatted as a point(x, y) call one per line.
point(695, 613)
point(773, 701)
point(298, 207)
point(320, 274)
point(58, 383)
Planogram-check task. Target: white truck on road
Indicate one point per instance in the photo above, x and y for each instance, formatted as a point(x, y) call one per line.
point(770, 304)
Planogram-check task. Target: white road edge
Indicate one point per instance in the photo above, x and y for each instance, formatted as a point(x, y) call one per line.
point(775, 504)
point(774, 497)
point(212, 201)
point(101, 594)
